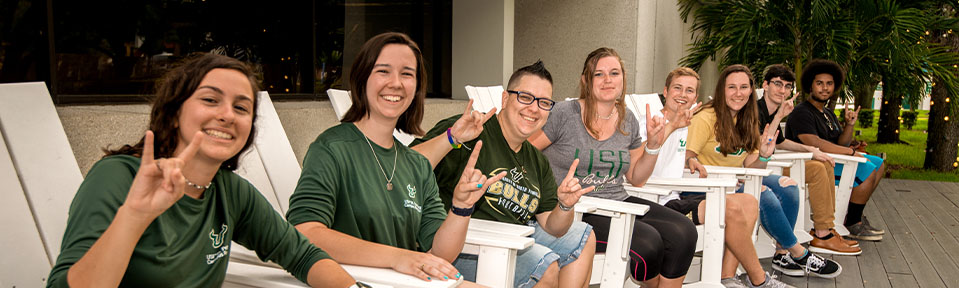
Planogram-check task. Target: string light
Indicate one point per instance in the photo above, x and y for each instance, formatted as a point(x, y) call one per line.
point(932, 102)
point(945, 118)
point(897, 131)
point(947, 99)
point(287, 89)
point(286, 77)
point(264, 30)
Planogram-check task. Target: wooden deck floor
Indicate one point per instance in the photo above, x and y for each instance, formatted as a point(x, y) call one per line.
point(921, 245)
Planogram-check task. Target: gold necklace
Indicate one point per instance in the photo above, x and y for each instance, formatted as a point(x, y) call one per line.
point(389, 181)
point(609, 116)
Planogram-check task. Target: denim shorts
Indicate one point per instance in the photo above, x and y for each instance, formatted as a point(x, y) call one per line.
point(532, 262)
point(863, 170)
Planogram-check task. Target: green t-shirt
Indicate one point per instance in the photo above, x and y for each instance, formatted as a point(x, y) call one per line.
point(514, 199)
point(189, 244)
point(343, 187)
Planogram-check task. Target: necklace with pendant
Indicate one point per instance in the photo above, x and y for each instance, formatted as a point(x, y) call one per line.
point(389, 181)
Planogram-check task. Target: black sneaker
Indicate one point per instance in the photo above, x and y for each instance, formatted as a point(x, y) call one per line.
point(785, 264)
point(821, 267)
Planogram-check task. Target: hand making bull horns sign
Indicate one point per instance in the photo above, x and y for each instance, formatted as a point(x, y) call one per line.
point(569, 191)
point(159, 183)
point(473, 183)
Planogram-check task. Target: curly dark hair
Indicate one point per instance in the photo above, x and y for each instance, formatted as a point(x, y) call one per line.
point(821, 66)
point(172, 90)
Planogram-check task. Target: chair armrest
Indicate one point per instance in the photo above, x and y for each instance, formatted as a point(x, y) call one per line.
point(612, 206)
point(647, 190)
point(779, 164)
point(481, 238)
point(385, 277)
point(756, 172)
point(499, 227)
point(724, 170)
point(847, 158)
point(691, 184)
point(249, 275)
point(787, 155)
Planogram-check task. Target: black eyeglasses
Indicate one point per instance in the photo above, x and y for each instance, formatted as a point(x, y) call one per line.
point(779, 84)
point(526, 99)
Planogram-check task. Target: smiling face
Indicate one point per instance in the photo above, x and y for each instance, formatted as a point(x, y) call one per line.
point(682, 91)
point(391, 86)
point(737, 91)
point(777, 90)
point(222, 108)
point(823, 86)
point(608, 79)
point(521, 120)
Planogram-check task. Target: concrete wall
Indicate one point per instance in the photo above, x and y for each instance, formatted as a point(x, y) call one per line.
point(91, 128)
point(649, 36)
point(482, 43)
point(562, 33)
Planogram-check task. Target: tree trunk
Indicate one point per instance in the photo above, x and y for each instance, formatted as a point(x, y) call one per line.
point(943, 136)
point(888, 126)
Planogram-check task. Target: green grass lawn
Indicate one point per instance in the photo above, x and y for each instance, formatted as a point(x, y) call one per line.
point(904, 161)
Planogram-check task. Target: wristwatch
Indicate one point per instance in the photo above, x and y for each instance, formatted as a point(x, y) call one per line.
point(361, 285)
point(465, 212)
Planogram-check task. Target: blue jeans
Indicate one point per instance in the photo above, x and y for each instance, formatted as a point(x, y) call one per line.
point(532, 262)
point(779, 208)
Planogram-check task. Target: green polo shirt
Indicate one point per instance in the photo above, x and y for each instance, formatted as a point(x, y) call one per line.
point(343, 187)
point(528, 188)
point(189, 244)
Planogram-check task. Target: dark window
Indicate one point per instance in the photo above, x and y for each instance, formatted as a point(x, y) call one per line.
point(114, 50)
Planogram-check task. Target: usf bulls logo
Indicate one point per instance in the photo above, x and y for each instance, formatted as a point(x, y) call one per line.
point(218, 238)
point(737, 153)
point(412, 190)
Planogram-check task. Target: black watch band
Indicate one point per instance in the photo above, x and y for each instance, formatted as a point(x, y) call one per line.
point(465, 212)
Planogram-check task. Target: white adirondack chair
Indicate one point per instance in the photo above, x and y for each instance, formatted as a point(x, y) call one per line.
point(486, 98)
point(610, 268)
point(494, 243)
point(38, 175)
point(271, 166)
point(36, 148)
point(341, 103)
point(844, 189)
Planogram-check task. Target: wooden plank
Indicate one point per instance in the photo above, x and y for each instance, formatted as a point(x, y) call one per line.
point(872, 273)
point(951, 192)
point(902, 281)
point(851, 275)
point(934, 240)
point(921, 263)
point(889, 250)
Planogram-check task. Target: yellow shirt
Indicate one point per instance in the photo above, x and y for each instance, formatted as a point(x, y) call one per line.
point(702, 141)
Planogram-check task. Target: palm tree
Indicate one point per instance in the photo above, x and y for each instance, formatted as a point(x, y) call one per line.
point(872, 39)
point(943, 128)
point(758, 33)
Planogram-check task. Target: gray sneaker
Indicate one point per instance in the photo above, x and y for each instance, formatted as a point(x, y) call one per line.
point(771, 282)
point(870, 228)
point(860, 231)
point(733, 282)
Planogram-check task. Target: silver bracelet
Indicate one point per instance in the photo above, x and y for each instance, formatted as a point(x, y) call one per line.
point(652, 151)
point(563, 207)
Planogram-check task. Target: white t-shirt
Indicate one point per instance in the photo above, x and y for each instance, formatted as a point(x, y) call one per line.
point(672, 154)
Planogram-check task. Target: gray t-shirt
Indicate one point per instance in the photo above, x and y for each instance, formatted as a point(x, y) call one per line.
point(598, 160)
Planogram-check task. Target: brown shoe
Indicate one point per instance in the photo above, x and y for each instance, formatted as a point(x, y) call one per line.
point(850, 242)
point(834, 245)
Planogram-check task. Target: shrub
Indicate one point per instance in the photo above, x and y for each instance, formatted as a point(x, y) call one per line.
point(909, 119)
point(865, 118)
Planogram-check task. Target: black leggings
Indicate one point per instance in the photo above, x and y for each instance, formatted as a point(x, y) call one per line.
point(663, 242)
